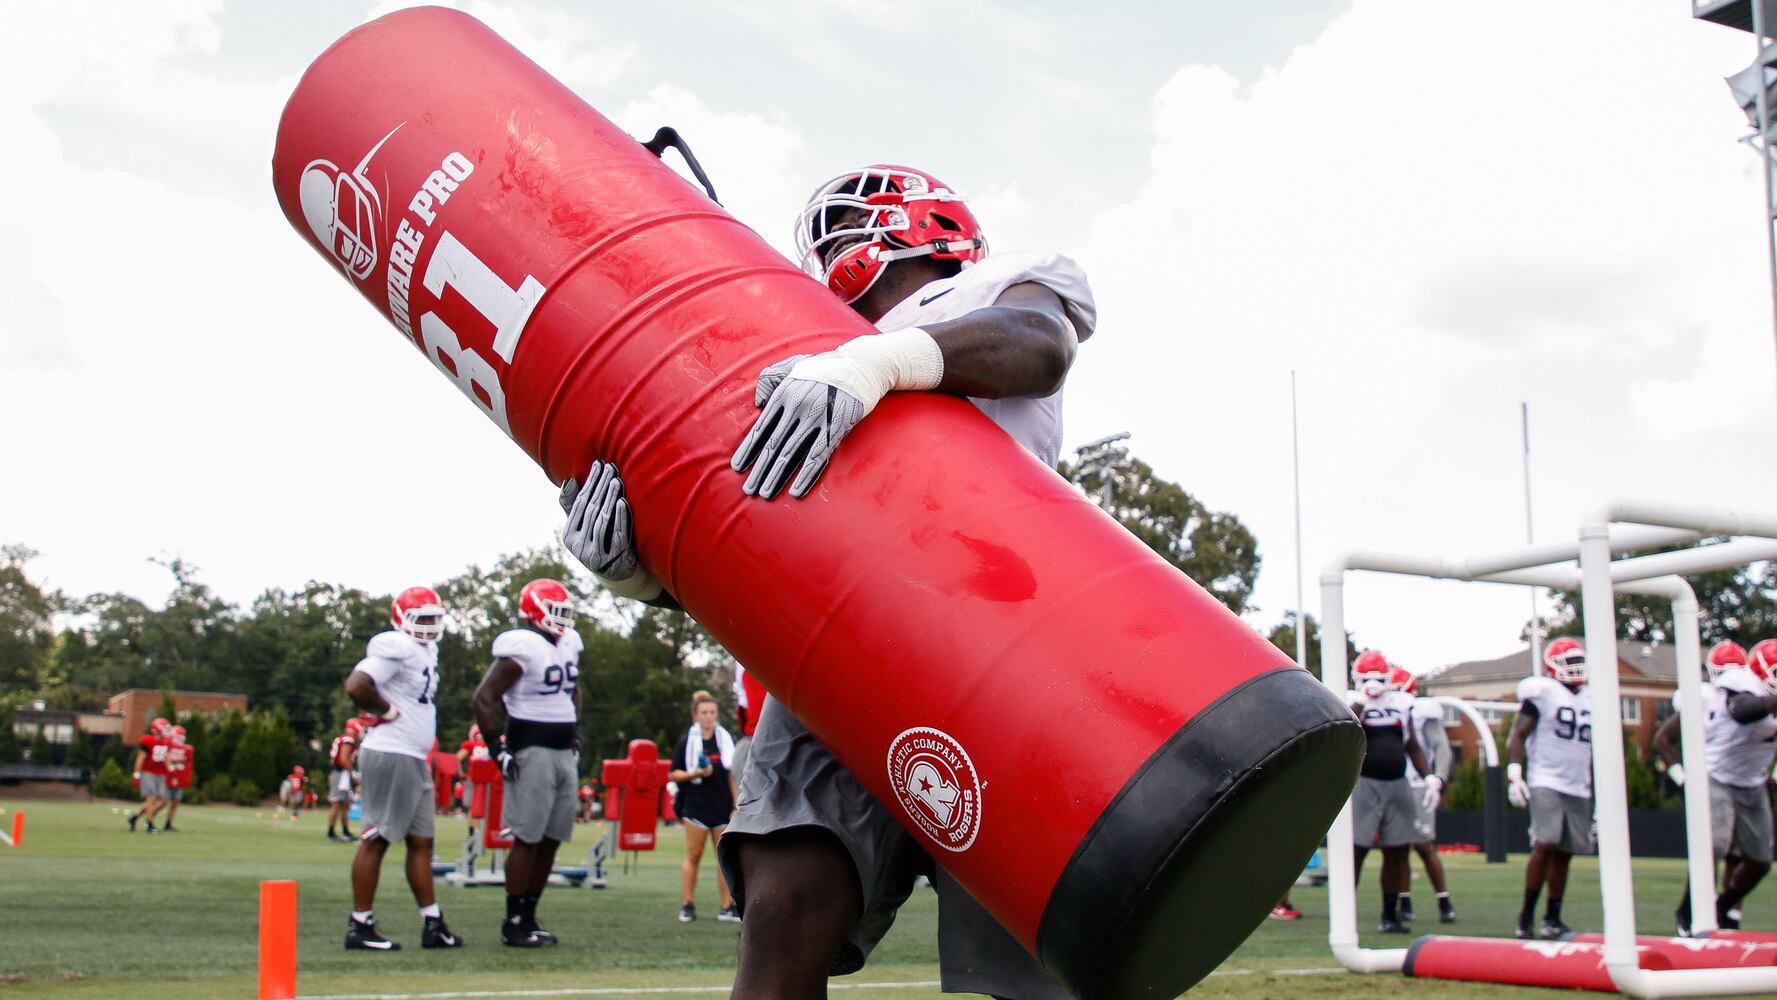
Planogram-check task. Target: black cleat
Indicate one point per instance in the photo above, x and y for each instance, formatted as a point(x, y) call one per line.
point(730, 914)
point(1406, 911)
point(1727, 919)
point(365, 936)
point(1387, 926)
point(687, 913)
point(517, 934)
point(1446, 912)
point(1681, 920)
point(133, 818)
point(151, 828)
point(1523, 931)
point(436, 935)
point(169, 828)
point(1553, 930)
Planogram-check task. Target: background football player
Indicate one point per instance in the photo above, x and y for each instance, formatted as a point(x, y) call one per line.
point(341, 759)
point(535, 678)
point(1428, 730)
point(396, 683)
point(179, 758)
point(1740, 733)
point(1554, 728)
point(291, 791)
point(150, 772)
point(817, 868)
point(1385, 808)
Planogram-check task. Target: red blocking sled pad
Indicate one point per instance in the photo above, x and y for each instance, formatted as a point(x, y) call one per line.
point(1118, 768)
point(1576, 964)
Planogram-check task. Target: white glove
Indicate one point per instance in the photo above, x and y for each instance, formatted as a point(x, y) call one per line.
point(1676, 773)
point(1516, 790)
point(810, 404)
point(600, 534)
point(1433, 793)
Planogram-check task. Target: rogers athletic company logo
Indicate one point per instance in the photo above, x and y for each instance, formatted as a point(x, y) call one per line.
point(935, 780)
point(344, 211)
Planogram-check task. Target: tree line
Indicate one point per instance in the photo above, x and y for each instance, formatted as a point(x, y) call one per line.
point(289, 651)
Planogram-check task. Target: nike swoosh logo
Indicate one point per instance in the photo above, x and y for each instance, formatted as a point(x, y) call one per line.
point(378, 945)
point(936, 297)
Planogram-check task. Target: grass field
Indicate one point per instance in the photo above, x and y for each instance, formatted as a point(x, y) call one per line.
point(90, 910)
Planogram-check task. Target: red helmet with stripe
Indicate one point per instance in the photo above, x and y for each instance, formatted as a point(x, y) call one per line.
point(547, 605)
point(1565, 661)
point(858, 223)
point(1402, 679)
point(1372, 674)
point(177, 733)
point(1762, 661)
point(411, 610)
point(1724, 656)
point(161, 727)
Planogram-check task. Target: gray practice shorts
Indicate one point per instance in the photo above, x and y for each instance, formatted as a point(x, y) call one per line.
point(154, 786)
point(1740, 819)
point(339, 785)
point(791, 781)
point(1425, 820)
point(1561, 821)
point(540, 802)
point(1384, 813)
point(174, 794)
point(397, 796)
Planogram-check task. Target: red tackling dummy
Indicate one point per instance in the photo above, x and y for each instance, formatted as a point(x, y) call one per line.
point(929, 611)
point(635, 792)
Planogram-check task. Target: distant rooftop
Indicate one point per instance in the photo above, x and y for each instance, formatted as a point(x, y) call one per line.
point(1657, 661)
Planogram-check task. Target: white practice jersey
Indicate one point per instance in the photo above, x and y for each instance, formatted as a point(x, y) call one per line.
point(406, 674)
point(1033, 422)
point(1740, 754)
point(551, 672)
point(1559, 751)
point(1427, 712)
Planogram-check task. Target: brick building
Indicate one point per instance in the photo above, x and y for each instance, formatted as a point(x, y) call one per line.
point(138, 706)
point(1647, 674)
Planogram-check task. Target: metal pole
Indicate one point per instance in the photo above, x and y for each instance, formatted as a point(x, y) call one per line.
point(1536, 636)
point(1296, 463)
point(1764, 147)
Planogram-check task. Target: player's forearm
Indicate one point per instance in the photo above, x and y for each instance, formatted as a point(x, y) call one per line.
point(487, 715)
point(362, 690)
point(1664, 742)
point(1000, 352)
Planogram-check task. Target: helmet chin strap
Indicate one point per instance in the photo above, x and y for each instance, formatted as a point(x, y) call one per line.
point(927, 249)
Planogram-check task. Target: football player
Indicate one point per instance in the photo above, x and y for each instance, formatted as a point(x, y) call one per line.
point(395, 684)
point(178, 774)
point(1428, 730)
point(1385, 809)
point(341, 759)
point(1554, 730)
point(470, 750)
point(150, 772)
point(290, 792)
point(535, 678)
point(1740, 732)
point(817, 868)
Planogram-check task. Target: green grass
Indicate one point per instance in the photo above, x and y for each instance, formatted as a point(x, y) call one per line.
point(89, 910)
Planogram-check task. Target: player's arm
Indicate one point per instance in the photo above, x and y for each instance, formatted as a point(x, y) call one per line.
point(1437, 745)
point(1416, 754)
point(361, 688)
point(1521, 729)
point(488, 703)
point(1022, 345)
point(1749, 708)
point(141, 758)
point(1666, 740)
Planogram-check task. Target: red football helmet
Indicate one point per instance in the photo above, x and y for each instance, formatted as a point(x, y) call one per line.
point(1565, 661)
point(1402, 679)
point(474, 732)
point(416, 603)
point(1724, 656)
point(1372, 674)
point(298, 770)
point(1762, 661)
point(901, 212)
point(178, 734)
point(161, 727)
point(355, 726)
point(547, 605)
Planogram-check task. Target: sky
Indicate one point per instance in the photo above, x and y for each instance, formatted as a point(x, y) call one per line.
point(1430, 212)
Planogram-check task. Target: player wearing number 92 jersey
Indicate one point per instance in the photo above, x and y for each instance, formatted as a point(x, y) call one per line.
point(1559, 750)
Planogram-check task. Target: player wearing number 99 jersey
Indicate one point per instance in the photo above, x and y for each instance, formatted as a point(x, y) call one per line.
point(1555, 725)
point(535, 676)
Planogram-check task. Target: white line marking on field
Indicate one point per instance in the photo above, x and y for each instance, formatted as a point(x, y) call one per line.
point(604, 991)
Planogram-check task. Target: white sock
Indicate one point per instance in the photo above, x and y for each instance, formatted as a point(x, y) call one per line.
point(361, 916)
point(431, 911)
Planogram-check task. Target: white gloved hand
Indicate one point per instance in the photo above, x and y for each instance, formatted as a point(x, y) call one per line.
point(1676, 773)
point(1516, 790)
point(811, 404)
point(601, 535)
point(1433, 793)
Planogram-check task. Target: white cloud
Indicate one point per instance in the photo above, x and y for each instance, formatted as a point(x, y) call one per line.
point(1432, 214)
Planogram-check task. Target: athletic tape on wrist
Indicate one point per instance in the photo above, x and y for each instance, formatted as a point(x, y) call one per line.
point(874, 365)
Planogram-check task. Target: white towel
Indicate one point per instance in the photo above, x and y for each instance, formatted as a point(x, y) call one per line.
point(694, 746)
